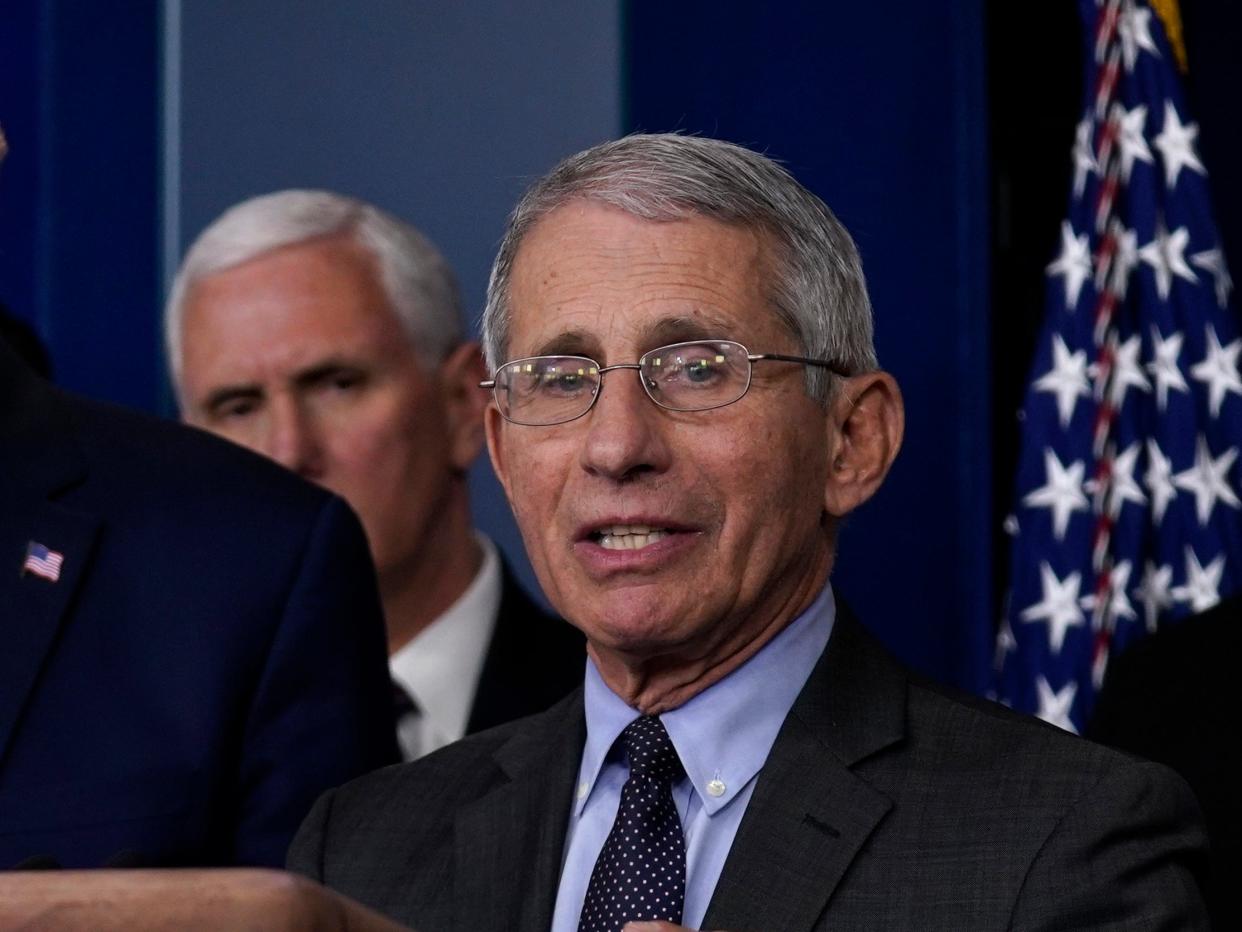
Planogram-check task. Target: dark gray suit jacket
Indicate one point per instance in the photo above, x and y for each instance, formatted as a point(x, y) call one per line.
point(885, 804)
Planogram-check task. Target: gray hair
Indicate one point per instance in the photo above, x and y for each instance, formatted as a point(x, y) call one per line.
point(418, 281)
point(818, 291)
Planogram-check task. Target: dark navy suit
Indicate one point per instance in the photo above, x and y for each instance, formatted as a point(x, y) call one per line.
point(533, 661)
point(210, 659)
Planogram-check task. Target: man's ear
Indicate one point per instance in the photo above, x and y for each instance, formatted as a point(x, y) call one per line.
point(494, 423)
point(866, 423)
point(460, 374)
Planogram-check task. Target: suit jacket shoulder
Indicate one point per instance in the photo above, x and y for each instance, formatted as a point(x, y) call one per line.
point(469, 837)
point(534, 660)
point(1172, 698)
point(926, 809)
point(205, 664)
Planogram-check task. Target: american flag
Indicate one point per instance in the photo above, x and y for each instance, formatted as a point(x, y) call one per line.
point(43, 562)
point(1127, 513)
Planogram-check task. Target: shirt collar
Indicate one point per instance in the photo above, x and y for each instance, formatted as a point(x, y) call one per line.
point(440, 666)
point(723, 734)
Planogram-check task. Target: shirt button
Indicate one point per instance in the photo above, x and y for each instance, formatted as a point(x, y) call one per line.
point(716, 788)
point(583, 789)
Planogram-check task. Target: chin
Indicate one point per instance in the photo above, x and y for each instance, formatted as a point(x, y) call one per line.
point(639, 635)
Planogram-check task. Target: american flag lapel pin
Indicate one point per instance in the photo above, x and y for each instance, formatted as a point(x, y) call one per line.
point(42, 562)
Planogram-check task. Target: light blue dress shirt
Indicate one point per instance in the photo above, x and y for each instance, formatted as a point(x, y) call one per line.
point(723, 736)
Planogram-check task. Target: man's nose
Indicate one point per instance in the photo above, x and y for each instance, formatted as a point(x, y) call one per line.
point(293, 439)
point(625, 434)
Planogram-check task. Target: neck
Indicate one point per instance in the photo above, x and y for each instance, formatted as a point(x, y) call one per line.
point(657, 684)
point(419, 591)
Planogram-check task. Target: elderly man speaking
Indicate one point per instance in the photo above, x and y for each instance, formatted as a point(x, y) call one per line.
point(686, 406)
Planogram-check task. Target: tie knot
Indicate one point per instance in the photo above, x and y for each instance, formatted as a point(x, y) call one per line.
point(650, 749)
point(403, 703)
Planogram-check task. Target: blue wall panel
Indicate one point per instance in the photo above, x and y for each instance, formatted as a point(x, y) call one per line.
point(80, 195)
point(132, 125)
point(440, 112)
point(21, 42)
point(878, 108)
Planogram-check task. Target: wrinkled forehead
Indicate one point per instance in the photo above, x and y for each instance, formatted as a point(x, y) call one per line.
point(591, 276)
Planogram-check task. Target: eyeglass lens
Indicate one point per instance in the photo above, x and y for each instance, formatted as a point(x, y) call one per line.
point(546, 389)
point(696, 376)
point(691, 376)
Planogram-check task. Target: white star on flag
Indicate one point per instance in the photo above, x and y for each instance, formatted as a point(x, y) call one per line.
point(1202, 589)
point(1123, 487)
point(1163, 366)
point(1159, 480)
point(1067, 379)
point(1127, 372)
point(1219, 369)
point(1119, 603)
point(1154, 593)
point(1134, 30)
point(1074, 263)
point(1206, 480)
point(1054, 706)
point(1132, 142)
point(1058, 606)
point(1176, 144)
point(1212, 261)
point(1084, 157)
point(1062, 492)
point(1165, 255)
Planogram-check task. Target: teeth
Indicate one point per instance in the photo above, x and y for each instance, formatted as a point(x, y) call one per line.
point(629, 536)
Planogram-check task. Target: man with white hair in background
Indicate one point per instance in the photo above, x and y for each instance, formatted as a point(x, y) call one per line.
point(326, 334)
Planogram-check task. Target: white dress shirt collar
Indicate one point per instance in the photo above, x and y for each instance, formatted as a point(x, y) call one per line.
point(441, 665)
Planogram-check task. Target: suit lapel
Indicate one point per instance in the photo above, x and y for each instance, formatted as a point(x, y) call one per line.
point(33, 606)
point(810, 814)
point(507, 668)
point(510, 881)
point(39, 459)
point(533, 660)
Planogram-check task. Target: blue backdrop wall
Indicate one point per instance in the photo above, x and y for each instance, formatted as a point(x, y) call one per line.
point(79, 191)
point(131, 130)
point(430, 110)
point(879, 110)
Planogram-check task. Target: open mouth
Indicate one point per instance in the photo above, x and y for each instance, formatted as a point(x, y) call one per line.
point(627, 536)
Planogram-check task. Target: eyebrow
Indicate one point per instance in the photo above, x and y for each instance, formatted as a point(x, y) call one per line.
point(303, 378)
point(567, 343)
point(679, 329)
point(684, 328)
point(329, 367)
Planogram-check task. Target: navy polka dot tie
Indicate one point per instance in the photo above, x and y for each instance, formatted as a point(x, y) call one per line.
point(641, 871)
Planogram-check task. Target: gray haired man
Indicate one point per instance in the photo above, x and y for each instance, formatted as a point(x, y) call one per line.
point(686, 404)
point(326, 334)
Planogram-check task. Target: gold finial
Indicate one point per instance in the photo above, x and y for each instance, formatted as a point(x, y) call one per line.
point(1171, 16)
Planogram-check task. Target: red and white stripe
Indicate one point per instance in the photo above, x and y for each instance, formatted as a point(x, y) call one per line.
point(1110, 288)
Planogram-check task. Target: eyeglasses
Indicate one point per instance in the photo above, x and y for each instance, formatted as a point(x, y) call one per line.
point(540, 391)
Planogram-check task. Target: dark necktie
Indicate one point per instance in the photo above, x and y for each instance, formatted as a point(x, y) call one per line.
point(641, 870)
point(403, 703)
point(407, 714)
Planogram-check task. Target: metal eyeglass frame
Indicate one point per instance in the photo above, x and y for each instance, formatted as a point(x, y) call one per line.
point(751, 359)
